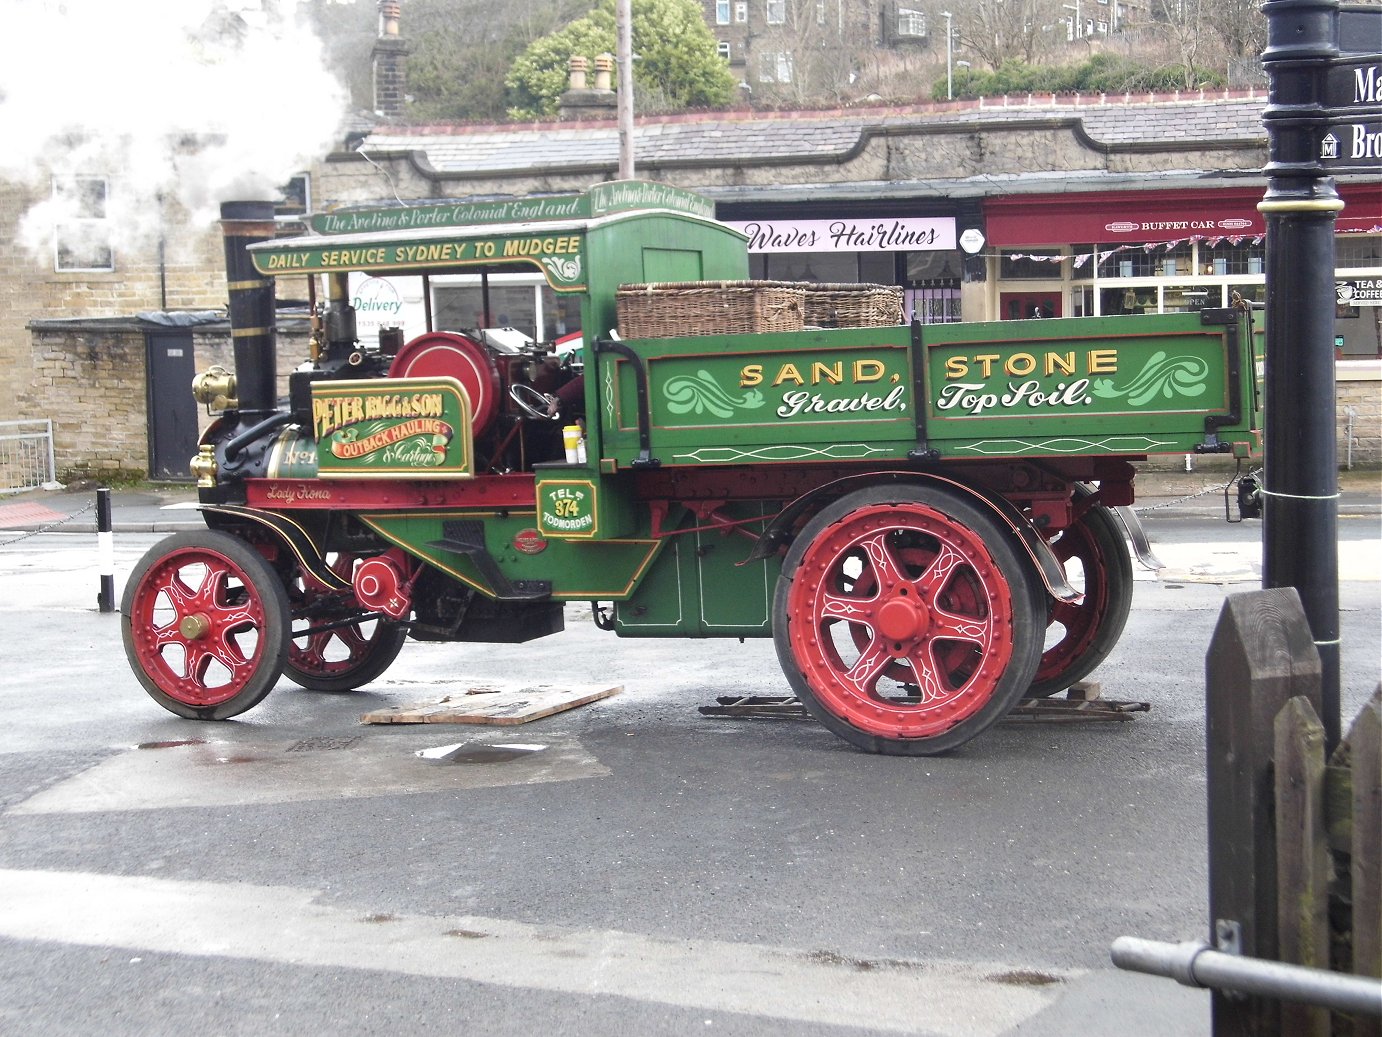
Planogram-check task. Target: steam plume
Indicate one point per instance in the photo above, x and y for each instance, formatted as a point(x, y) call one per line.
point(196, 101)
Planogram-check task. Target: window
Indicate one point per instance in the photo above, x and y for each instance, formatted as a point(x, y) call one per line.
point(1042, 264)
point(820, 14)
point(776, 11)
point(775, 67)
point(910, 23)
point(721, 12)
point(1356, 251)
point(81, 233)
point(724, 49)
point(741, 11)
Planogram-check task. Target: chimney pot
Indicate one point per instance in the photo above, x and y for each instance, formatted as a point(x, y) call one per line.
point(578, 66)
point(604, 65)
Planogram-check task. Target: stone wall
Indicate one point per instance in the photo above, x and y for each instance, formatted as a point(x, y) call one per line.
point(1360, 391)
point(190, 275)
point(93, 385)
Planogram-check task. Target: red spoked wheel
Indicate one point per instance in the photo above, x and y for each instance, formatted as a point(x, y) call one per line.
point(1081, 634)
point(335, 645)
point(905, 620)
point(205, 624)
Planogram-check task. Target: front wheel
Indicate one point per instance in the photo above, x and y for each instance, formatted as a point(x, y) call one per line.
point(905, 620)
point(205, 624)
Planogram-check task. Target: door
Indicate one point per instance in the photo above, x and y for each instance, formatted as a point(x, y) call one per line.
point(1021, 305)
point(172, 411)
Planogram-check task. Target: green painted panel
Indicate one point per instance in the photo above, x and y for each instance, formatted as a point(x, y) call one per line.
point(608, 570)
point(1120, 385)
point(698, 588)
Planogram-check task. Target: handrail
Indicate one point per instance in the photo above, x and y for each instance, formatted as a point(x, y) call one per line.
point(1196, 964)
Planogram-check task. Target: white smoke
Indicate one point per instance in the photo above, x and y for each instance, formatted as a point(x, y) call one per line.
point(195, 101)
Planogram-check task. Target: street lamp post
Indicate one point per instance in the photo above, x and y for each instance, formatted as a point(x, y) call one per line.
point(949, 54)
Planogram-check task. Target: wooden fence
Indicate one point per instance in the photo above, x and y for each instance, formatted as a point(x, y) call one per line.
point(1295, 838)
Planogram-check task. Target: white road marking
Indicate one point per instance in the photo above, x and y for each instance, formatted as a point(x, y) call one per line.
point(283, 925)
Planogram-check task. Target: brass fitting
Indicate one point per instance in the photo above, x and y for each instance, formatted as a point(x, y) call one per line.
point(203, 466)
point(215, 387)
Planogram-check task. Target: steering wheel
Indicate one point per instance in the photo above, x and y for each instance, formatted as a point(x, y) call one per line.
point(532, 403)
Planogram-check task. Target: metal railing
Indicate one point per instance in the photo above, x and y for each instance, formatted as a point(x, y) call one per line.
point(26, 455)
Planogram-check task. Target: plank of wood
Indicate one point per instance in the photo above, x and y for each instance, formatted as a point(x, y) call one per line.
point(497, 703)
point(1302, 855)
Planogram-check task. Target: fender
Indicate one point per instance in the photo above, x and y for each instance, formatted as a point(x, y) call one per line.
point(1047, 565)
point(291, 535)
point(1141, 546)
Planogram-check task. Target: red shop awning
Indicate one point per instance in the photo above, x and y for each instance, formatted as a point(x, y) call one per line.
point(1135, 217)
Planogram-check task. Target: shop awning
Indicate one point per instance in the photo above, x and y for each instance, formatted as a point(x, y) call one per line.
point(1136, 217)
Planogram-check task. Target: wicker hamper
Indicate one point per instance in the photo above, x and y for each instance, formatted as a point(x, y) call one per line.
point(853, 305)
point(675, 309)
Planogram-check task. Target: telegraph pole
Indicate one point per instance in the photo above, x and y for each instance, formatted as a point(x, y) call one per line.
point(624, 61)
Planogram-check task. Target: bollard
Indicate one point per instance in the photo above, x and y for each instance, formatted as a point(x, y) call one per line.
point(105, 551)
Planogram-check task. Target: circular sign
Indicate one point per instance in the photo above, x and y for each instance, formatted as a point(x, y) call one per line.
point(972, 240)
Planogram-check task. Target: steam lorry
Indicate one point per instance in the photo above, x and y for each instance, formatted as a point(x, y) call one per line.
point(930, 521)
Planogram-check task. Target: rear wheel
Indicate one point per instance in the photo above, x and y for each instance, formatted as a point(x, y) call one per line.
point(205, 624)
point(1081, 634)
point(906, 621)
point(335, 645)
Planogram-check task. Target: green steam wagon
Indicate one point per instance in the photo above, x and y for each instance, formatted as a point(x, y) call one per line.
point(929, 521)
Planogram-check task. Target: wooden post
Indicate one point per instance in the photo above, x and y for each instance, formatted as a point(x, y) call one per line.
point(1262, 655)
point(1365, 743)
point(1302, 856)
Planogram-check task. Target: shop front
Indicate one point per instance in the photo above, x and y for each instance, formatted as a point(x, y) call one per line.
point(917, 251)
point(1109, 253)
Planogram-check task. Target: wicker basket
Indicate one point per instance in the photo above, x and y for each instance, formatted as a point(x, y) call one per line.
point(675, 309)
point(853, 305)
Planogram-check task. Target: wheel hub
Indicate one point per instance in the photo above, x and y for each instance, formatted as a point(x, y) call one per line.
point(194, 627)
point(903, 620)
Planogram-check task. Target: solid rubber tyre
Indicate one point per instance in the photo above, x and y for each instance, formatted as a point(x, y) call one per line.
point(205, 623)
point(906, 620)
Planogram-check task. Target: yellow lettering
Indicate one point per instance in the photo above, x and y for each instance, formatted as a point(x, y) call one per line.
point(833, 374)
point(1020, 363)
point(789, 372)
point(868, 370)
point(750, 375)
point(956, 367)
point(1103, 361)
point(1066, 363)
point(985, 361)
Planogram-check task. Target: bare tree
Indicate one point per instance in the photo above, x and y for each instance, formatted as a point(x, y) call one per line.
point(996, 31)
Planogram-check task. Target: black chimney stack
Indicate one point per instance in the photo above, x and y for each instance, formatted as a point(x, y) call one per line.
point(252, 312)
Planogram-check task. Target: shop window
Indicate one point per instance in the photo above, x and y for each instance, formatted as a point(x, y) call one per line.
point(1253, 293)
point(1226, 258)
point(1146, 262)
point(1190, 298)
point(932, 304)
point(81, 229)
point(1120, 301)
point(1031, 265)
point(1357, 251)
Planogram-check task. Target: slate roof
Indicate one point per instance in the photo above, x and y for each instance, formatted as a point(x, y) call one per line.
point(766, 137)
